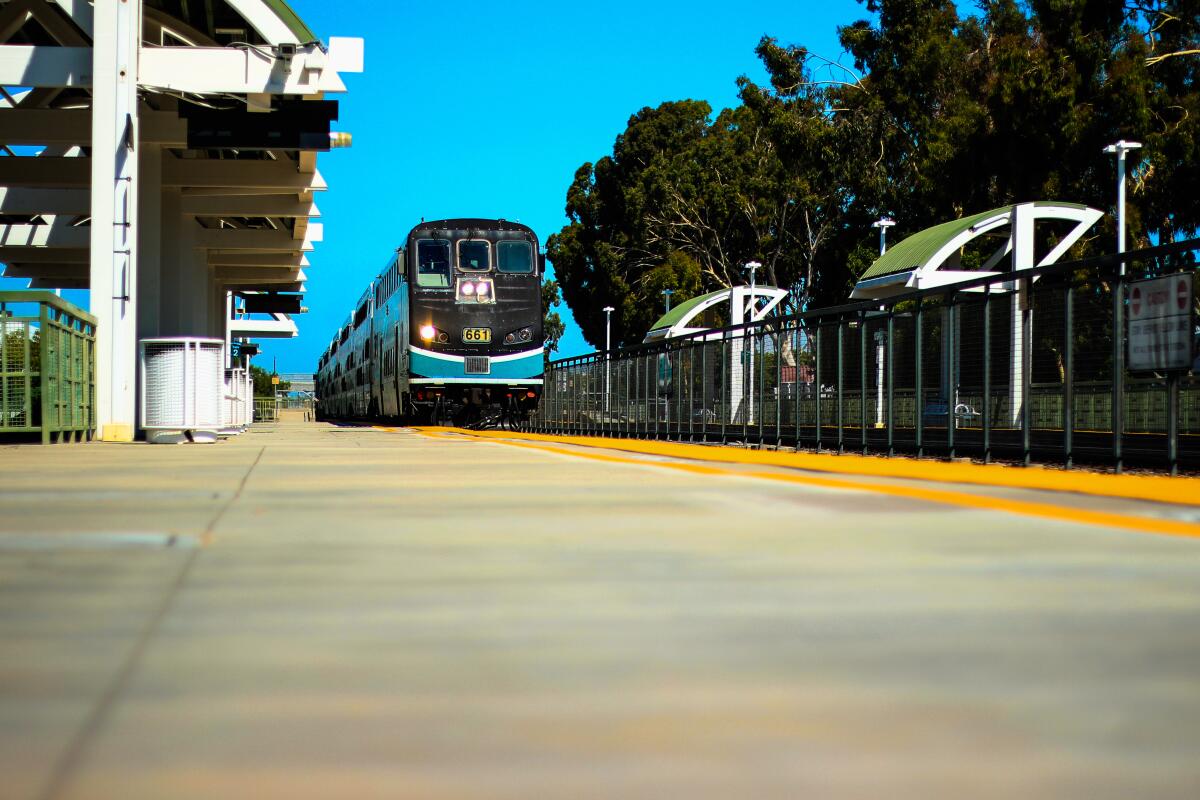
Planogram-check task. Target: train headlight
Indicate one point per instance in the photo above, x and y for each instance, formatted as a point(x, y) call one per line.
point(468, 288)
point(523, 335)
point(428, 332)
point(482, 289)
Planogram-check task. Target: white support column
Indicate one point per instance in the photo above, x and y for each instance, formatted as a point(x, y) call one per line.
point(228, 329)
point(1022, 259)
point(114, 171)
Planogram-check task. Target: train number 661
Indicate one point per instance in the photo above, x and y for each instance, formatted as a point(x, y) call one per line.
point(477, 335)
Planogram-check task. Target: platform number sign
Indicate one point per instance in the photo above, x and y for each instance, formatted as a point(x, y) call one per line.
point(235, 349)
point(1160, 323)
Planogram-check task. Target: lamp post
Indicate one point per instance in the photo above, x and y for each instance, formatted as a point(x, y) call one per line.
point(666, 293)
point(751, 267)
point(607, 350)
point(883, 223)
point(1120, 148)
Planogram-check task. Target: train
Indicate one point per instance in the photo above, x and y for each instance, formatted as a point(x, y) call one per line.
point(450, 332)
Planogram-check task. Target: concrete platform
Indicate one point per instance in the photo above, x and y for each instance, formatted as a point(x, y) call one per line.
point(312, 611)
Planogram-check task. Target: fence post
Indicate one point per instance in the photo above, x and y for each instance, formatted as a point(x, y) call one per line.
point(1026, 287)
point(1068, 422)
point(1118, 373)
point(987, 373)
point(891, 381)
point(841, 375)
point(777, 338)
point(44, 368)
point(724, 384)
point(919, 402)
point(796, 386)
point(951, 320)
point(761, 339)
point(704, 389)
point(1173, 422)
point(862, 379)
point(817, 383)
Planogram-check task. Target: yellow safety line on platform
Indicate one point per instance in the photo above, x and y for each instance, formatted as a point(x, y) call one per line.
point(962, 499)
point(1158, 489)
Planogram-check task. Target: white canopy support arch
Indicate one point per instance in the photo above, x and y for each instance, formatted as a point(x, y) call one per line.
point(933, 257)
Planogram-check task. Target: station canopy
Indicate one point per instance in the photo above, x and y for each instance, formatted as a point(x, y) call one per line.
point(934, 256)
point(231, 92)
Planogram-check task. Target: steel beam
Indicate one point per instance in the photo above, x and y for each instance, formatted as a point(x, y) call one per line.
point(217, 258)
point(68, 202)
point(248, 276)
point(45, 255)
point(246, 239)
point(264, 205)
point(46, 66)
point(57, 234)
point(45, 126)
point(281, 176)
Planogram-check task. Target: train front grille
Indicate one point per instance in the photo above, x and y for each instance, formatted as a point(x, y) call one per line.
point(477, 365)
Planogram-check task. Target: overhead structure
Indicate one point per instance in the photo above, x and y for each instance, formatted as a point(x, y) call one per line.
point(162, 154)
point(733, 306)
point(935, 257)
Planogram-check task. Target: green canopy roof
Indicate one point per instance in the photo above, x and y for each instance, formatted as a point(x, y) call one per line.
point(683, 309)
point(915, 251)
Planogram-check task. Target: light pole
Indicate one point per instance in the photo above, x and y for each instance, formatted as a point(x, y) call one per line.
point(751, 267)
point(883, 223)
point(607, 350)
point(1120, 148)
point(666, 293)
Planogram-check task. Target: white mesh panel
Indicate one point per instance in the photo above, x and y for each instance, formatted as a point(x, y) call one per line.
point(182, 381)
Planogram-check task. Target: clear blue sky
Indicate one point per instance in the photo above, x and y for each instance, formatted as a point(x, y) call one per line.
point(523, 93)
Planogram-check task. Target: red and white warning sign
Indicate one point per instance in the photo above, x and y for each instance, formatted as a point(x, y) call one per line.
point(1160, 323)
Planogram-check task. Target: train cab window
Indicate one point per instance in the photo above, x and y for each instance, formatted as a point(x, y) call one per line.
point(514, 257)
point(433, 264)
point(474, 255)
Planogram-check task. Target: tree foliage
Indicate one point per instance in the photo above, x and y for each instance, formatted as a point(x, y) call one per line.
point(937, 113)
point(262, 382)
point(552, 324)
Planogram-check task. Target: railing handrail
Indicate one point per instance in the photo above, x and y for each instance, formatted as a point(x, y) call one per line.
point(48, 299)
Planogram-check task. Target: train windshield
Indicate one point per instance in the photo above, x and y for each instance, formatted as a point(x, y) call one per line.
point(514, 257)
point(433, 264)
point(473, 255)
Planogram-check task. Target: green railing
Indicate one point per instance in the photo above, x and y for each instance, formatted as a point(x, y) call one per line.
point(266, 409)
point(47, 367)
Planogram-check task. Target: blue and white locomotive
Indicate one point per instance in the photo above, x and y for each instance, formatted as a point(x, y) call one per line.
point(450, 331)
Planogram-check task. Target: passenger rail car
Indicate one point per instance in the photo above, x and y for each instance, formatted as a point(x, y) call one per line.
point(450, 331)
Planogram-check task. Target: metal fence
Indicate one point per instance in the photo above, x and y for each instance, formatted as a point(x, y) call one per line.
point(1020, 367)
point(266, 409)
point(47, 367)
